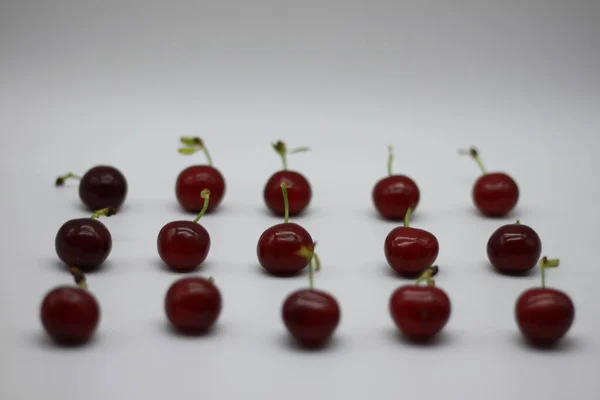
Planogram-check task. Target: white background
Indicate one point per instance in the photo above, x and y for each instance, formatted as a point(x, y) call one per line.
point(118, 82)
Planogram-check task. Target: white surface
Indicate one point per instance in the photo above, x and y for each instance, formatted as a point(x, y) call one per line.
point(118, 83)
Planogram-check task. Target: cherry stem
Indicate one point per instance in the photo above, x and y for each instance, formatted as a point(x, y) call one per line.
point(79, 277)
point(518, 222)
point(211, 279)
point(407, 217)
point(194, 144)
point(475, 156)
point(61, 179)
point(286, 203)
point(547, 263)
point(427, 276)
point(390, 160)
point(106, 212)
point(205, 194)
point(313, 262)
point(281, 149)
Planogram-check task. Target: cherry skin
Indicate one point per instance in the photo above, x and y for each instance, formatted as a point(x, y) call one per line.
point(103, 186)
point(410, 251)
point(70, 315)
point(311, 316)
point(193, 180)
point(514, 248)
point(299, 192)
point(278, 248)
point(394, 195)
point(544, 315)
point(84, 243)
point(193, 305)
point(495, 194)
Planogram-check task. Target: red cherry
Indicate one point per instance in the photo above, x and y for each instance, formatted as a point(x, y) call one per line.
point(494, 194)
point(410, 251)
point(100, 187)
point(310, 316)
point(184, 245)
point(279, 247)
point(70, 315)
point(514, 248)
point(420, 312)
point(84, 243)
point(195, 178)
point(544, 315)
point(395, 194)
point(193, 305)
point(298, 187)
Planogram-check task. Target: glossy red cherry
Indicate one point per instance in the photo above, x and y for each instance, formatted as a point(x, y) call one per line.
point(193, 305)
point(70, 315)
point(514, 248)
point(279, 247)
point(544, 315)
point(100, 187)
point(410, 251)
point(184, 245)
point(494, 194)
point(395, 194)
point(420, 312)
point(298, 187)
point(195, 178)
point(311, 316)
point(84, 243)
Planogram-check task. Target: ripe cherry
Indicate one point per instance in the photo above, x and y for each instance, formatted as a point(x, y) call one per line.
point(100, 187)
point(299, 190)
point(84, 243)
point(544, 315)
point(70, 315)
point(193, 305)
point(514, 248)
point(278, 246)
point(395, 194)
point(410, 251)
point(495, 193)
point(184, 245)
point(195, 178)
point(311, 316)
point(420, 312)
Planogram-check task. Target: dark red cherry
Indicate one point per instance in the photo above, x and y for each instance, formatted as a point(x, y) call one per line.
point(184, 245)
point(70, 315)
point(311, 316)
point(395, 194)
point(495, 194)
point(278, 248)
point(193, 305)
point(100, 187)
point(84, 243)
point(298, 187)
point(192, 180)
point(544, 315)
point(420, 312)
point(410, 251)
point(514, 248)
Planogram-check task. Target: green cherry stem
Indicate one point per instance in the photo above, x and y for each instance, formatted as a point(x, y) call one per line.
point(281, 149)
point(193, 145)
point(428, 275)
point(547, 263)
point(79, 277)
point(390, 160)
point(407, 217)
point(61, 179)
point(286, 203)
point(205, 194)
point(475, 156)
point(313, 262)
point(105, 212)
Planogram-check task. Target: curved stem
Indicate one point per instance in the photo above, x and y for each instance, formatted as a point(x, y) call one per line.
point(407, 217)
point(205, 194)
point(106, 212)
point(61, 179)
point(547, 263)
point(427, 276)
point(312, 261)
point(286, 203)
point(475, 156)
point(79, 277)
point(207, 154)
point(390, 160)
